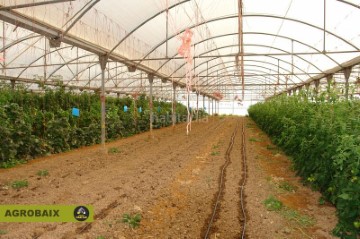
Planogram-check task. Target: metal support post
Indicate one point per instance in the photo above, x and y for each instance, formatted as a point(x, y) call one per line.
point(103, 61)
point(347, 73)
point(174, 105)
point(151, 80)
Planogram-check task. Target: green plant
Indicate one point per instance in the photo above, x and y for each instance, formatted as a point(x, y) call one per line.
point(287, 186)
point(132, 221)
point(42, 173)
point(114, 150)
point(215, 153)
point(302, 220)
point(3, 232)
point(19, 184)
point(273, 204)
point(100, 237)
point(254, 140)
point(322, 201)
point(11, 163)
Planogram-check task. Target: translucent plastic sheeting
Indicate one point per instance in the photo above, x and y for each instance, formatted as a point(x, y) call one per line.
point(284, 37)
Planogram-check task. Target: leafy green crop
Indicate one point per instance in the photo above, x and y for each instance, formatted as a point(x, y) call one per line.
point(273, 204)
point(322, 136)
point(32, 125)
point(132, 221)
point(19, 184)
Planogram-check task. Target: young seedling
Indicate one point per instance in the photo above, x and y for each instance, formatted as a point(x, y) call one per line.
point(3, 232)
point(132, 221)
point(19, 184)
point(254, 140)
point(114, 150)
point(215, 153)
point(100, 237)
point(273, 204)
point(42, 173)
point(302, 220)
point(286, 186)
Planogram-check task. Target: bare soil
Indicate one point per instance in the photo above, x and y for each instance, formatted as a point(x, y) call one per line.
point(171, 180)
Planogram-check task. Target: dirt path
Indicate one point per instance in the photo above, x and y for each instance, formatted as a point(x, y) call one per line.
point(171, 180)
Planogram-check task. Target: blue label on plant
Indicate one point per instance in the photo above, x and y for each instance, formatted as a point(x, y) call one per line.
point(140, 109)
point(75, 112)
point(159, 109)
point(125, 108)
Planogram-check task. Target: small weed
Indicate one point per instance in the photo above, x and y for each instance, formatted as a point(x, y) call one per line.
point(19, 184)
point(216, 146)
point(100, 237)
point(132, 221)
point(273, 204)
point(215, 153)
point(254, 140)
point(42, 173)
point(288, 186)
point(250, 126)
point(302, 220)
point(274, 150)
point(114, 150)
point(322, 201)
point(3, 232)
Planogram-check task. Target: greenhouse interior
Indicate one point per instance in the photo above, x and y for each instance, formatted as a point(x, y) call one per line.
point(180, 119)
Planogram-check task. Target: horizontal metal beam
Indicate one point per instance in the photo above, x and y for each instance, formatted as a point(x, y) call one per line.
point(20, 20)
point(34, 4)
point(351, 63)
point(249, 54)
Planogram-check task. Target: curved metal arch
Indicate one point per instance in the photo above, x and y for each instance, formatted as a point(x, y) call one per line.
point(11, 44)
point(274, 35)
point(349, 3)
point(221, 80)
point(252, 33)
point(283, 61)
point(270, 47)
point(82, 71)
point(110, 78)
point(37, 59)
point(143, 23)
point(247, 15)
point(233, 66)
point(257, 45)
point(263, 62)
point(77, 58)
point(134, 80)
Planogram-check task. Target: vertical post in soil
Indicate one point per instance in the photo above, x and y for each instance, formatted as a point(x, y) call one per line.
point(103, 62)
point(173, 110)
point(151, 80)
point(347, 73)
point(212, 106)
point(197, 106)
point(317, 84)
point(204, 103)
point(45, 58)
point(328, 79)
point(208, 106)
point(4, 52)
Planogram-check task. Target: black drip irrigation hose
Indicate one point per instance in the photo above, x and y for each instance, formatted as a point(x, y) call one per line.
point(221, 183)
point(242, 200)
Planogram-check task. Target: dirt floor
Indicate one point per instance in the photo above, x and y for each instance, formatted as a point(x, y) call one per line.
point(173, 181)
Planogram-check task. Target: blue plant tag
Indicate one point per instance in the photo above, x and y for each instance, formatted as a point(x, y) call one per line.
point(125, 108)
point(159, 109)
point(140, 109)
point(76, 112)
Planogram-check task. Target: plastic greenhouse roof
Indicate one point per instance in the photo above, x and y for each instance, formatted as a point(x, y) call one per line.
point(285, 44)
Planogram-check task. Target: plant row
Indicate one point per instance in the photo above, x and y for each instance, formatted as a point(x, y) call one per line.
point(322, 136)
point(35, 124)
